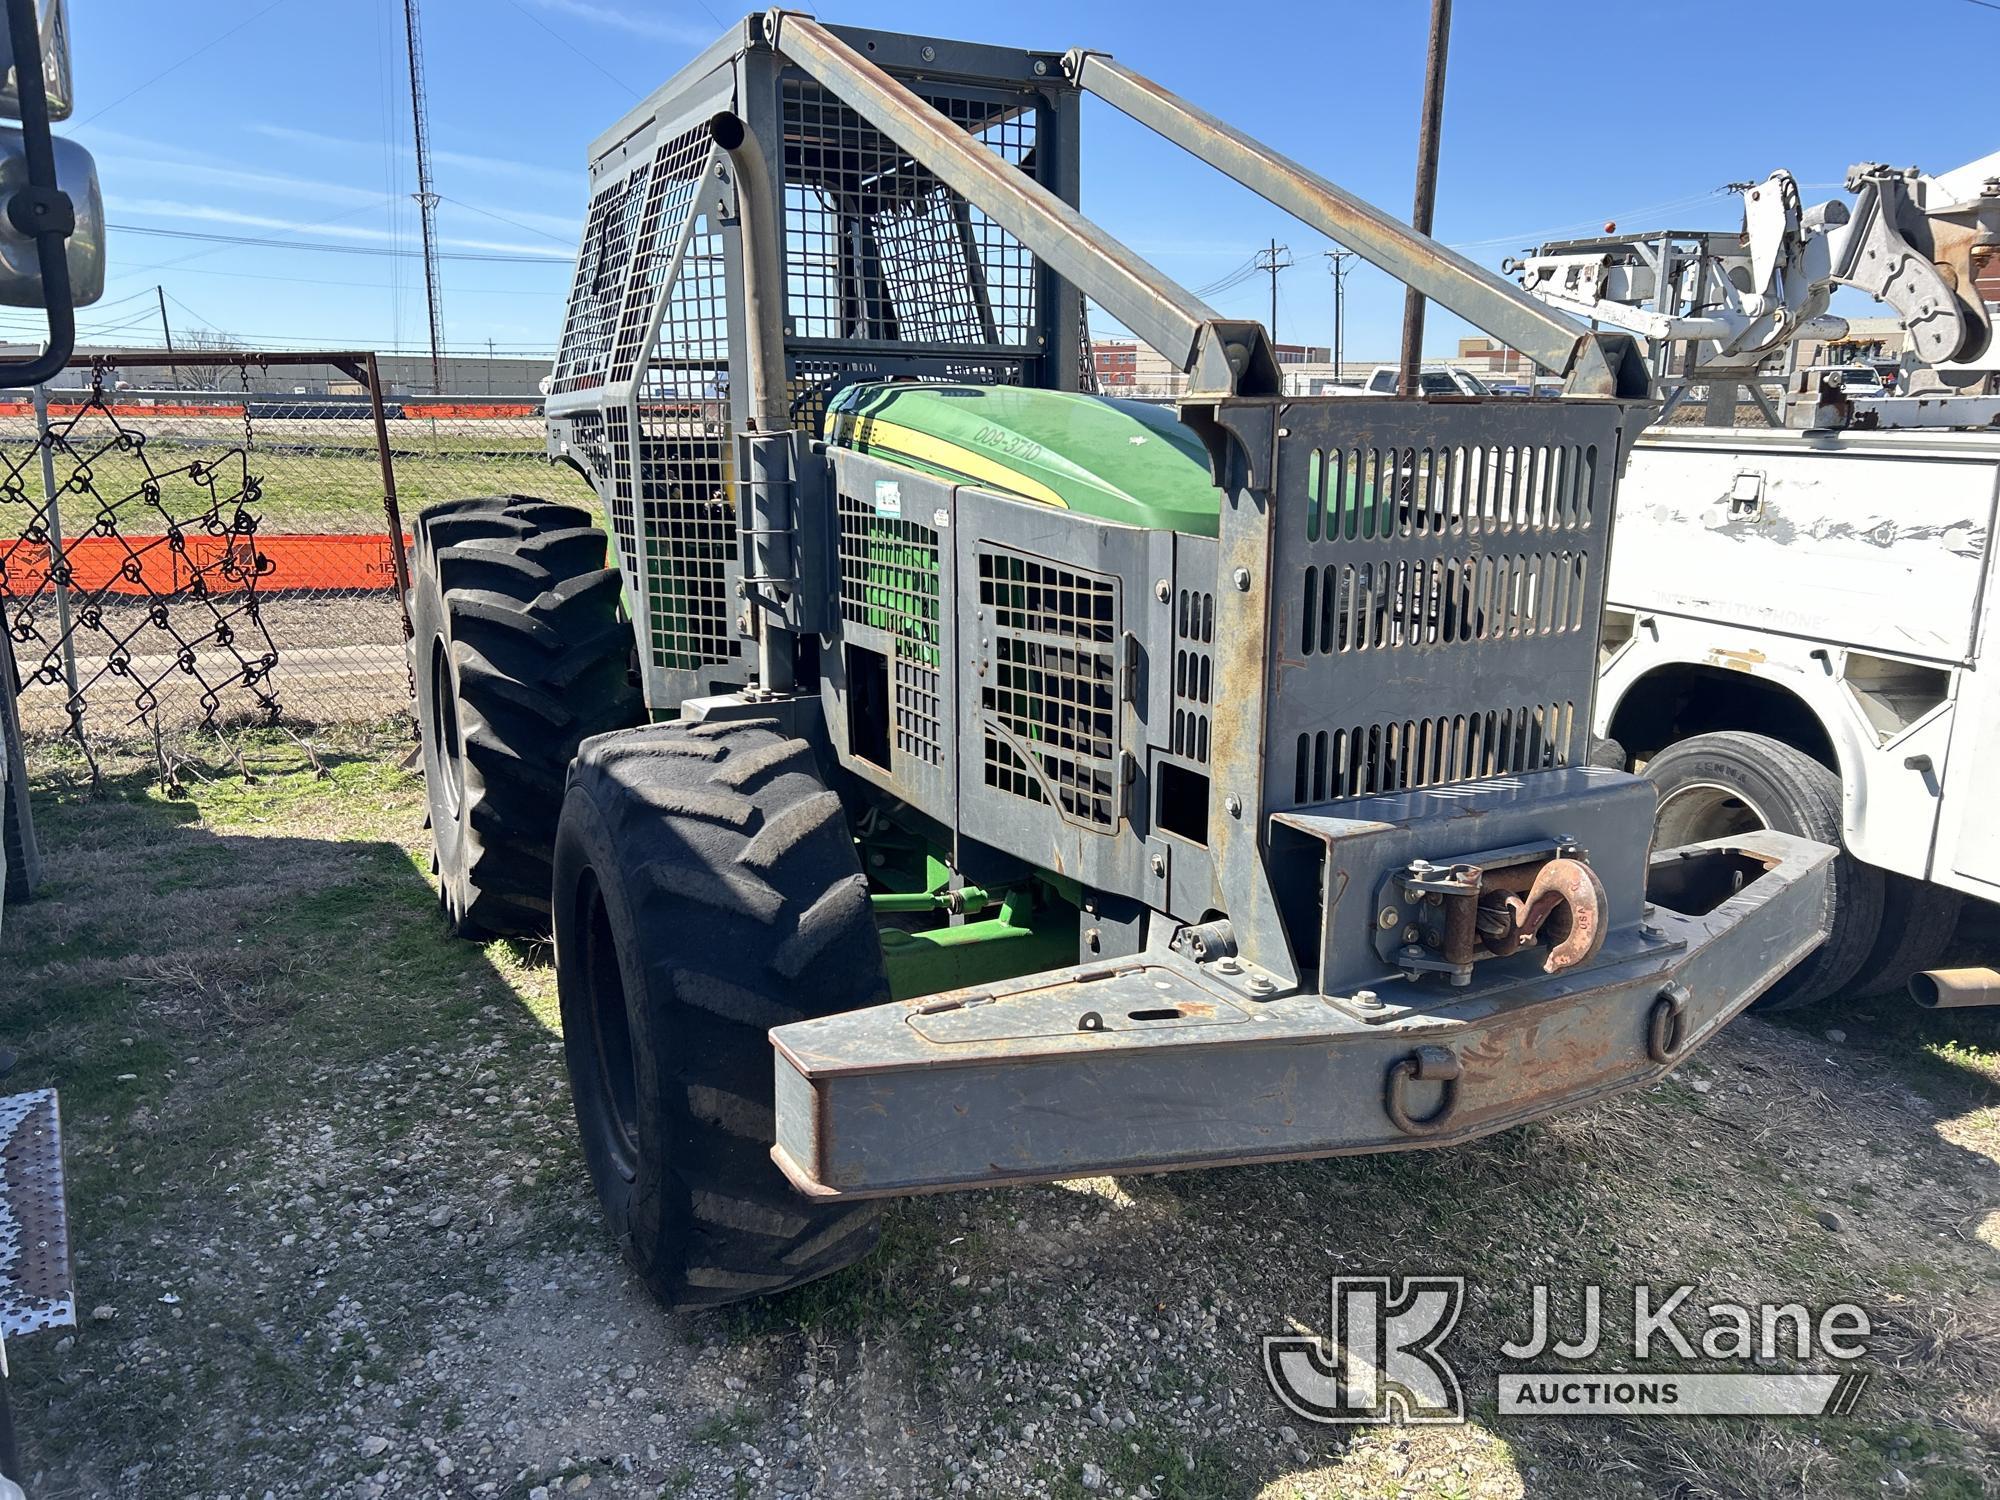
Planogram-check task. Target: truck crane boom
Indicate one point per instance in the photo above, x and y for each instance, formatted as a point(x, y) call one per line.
point(1714, 305)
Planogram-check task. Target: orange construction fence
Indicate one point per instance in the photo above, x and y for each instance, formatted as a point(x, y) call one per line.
point(143, 565)
point(141, 409)
point(456, 411)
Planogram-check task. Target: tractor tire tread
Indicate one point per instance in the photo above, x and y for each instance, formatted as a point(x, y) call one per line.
point(734, 882)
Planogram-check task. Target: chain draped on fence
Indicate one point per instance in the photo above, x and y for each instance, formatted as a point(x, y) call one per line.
point(173, 559)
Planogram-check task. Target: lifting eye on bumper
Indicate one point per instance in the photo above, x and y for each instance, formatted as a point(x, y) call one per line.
point(1664, 1023)
point(1425, 1065)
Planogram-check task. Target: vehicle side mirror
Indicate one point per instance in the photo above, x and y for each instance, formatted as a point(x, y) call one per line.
point(20, 256)
point(51, 212)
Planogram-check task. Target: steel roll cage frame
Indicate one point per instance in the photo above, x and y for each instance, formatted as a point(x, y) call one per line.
point(1221, 357)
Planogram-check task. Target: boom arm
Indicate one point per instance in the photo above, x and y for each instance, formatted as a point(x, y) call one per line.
point(1714, 304)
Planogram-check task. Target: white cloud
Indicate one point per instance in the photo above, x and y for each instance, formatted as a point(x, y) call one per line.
point(280, 184)
point(208, 213)
point(564, 228)
point(496, 166)
point(640, 21)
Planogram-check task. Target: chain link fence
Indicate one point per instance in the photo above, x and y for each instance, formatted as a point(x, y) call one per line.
point(174, 559)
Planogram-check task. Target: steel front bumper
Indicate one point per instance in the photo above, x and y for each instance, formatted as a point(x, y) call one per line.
point(1155, 1063)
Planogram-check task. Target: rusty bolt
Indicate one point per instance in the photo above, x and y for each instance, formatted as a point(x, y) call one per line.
point(1159, 864)
point(1241, 578)
point(1163, 591)
point(1233, 805)
point(1389, 918)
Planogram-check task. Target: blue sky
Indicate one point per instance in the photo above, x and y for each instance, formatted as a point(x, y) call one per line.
point(290, 119)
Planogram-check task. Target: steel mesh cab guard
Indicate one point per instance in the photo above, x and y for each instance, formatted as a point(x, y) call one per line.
point(1317, 782)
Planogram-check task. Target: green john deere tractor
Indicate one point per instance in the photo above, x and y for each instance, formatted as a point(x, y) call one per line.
point(945, 775)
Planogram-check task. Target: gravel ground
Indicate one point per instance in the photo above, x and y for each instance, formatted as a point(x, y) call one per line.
point(334, 1237)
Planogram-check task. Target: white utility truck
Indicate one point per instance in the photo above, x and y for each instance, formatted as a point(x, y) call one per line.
point(1800, 630)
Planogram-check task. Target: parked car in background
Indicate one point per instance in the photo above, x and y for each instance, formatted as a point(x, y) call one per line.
point(1855, 379)
point(1432, 380)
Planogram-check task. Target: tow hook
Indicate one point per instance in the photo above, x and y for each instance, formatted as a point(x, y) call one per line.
point(1494, 905)
point(1568, 886)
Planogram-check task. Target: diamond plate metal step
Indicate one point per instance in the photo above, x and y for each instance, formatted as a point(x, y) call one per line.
point(36, 1290)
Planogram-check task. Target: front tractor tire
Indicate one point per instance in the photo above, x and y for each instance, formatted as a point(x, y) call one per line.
point(706, 890)
point(519, 652)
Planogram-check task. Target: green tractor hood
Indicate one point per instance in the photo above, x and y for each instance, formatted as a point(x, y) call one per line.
point(1123, 461)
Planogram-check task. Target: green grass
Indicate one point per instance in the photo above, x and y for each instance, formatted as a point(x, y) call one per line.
point(320, 483)
point(262, 954)
point(184, 1013)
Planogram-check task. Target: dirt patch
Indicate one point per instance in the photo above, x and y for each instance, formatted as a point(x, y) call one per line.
point(326, 1186)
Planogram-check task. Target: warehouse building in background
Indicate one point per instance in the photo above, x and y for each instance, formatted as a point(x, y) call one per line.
point(501, 376)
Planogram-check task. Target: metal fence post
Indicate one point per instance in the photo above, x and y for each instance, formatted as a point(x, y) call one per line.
point(392, 508)
point(58, 563)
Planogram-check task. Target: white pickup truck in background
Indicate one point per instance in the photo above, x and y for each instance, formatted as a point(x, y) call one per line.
point(1432, 380)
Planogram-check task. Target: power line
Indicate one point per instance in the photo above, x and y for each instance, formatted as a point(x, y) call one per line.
point(100, 306)
point(503, 219)
point(173, 67)
point(571, 46)
point(1229, 278)
point(208, 323)
point(288, 342)
point(1267, 260)
point(322, 247)
point(365, 286)
point(1336, 262)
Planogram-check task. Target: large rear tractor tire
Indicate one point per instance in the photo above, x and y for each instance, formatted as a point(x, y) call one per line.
point(519, 652)
point(706, 890)
point(1715, 785)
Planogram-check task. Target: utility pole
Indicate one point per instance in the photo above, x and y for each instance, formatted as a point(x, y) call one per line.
point(1336, 262)
point(426, 198)
point(167, 332)
point(489, 367)
point(1427, 168)
point(1267, 260)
